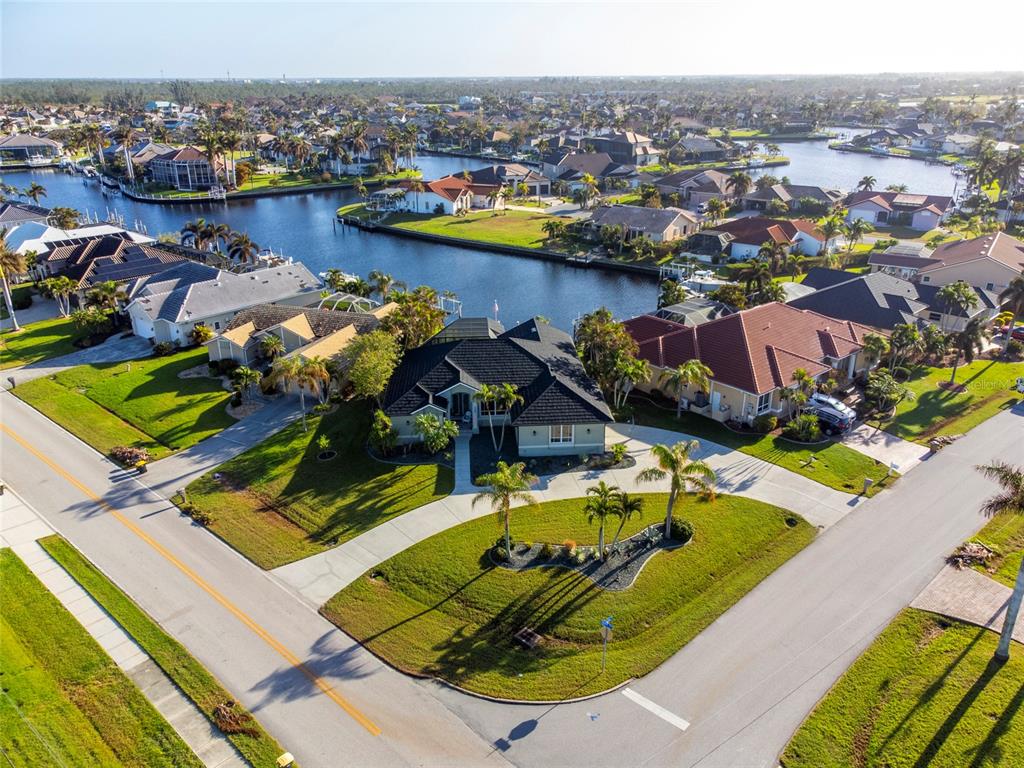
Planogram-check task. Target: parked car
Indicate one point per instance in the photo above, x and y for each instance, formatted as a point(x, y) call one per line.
point(831, 421)
point(820, 398)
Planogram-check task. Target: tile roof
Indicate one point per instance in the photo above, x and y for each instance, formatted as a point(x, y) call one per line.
point(538, 359)
point(756, 350)
point(648, 220)
point(755, 230)
point(1000, 247)
point(904, 200)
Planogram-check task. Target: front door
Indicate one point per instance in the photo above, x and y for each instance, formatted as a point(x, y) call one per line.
point(460, 405)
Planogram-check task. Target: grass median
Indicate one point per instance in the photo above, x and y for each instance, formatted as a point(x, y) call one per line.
point(257, 746)
point(442, 608)
point(926, 693)
point(63, 700)
point(277, 502)
point(143, 403)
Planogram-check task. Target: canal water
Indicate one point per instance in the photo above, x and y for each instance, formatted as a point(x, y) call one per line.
point(304, 227)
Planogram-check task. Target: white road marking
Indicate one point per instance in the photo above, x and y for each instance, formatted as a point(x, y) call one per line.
point(656, 709)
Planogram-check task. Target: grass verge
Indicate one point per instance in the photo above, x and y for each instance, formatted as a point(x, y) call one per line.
point(142, 403)
point(926, 693)
point(277, 502)
point(38, 341)
point(64, 701)
point(1004, 535)
point(517, 228)
point(441, 608)
point(258, 747)
point(831, 464)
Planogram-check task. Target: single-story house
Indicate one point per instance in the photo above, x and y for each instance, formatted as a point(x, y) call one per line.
point(752, 355)
point(304, 331)
point(882, 301)
point(990, 261)
point(562, 412)
point(662, 225)
point(791, 195)
point(570, 168)
point(902, 260)
point(186, 168)
point(920, 212)
point(749, 234)
point(449, 194)
point(168, 306)
point(698, 149)
point(26, 149)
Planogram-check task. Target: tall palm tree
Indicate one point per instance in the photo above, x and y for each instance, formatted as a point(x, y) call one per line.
point(830, 228)
point(506, 397)
point(739, 182)
point(855, 231)
point(506, 484)
point(191, 233)
point(288, 371)
point(600, 505)
point(968, 341)
point(756, 275)
point(11, 263)
point(683, 473)
point(1009, 500)
point(773, 252)
point(867, 183)
point(691, 373)
point(382, 282)
point(957, 296)
point(716, 209)
point(316, 375)
point(1012, 297)
point(221, 235)
point(105, 295)
point(230, 142)
point(126, 135)
point(35, 191)
point(271, 346)
point(626, 508)
point(242, 248)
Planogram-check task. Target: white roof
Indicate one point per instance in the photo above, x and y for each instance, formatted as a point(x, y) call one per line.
point(37, 236)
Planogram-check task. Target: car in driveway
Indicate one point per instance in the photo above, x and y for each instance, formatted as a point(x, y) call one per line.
point(827, 401)
point(831, 421)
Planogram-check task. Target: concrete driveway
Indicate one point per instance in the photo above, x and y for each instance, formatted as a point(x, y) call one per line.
point(901, 455)
point(113, 350)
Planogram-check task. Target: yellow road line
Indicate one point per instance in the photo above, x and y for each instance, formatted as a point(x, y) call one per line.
point(259, 631)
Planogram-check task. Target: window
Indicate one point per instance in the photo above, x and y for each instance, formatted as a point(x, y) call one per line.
point(561, 434)
point(990, 286)
point(764, 402)
point(216, 325)
point(934, 317)
point(926, 279)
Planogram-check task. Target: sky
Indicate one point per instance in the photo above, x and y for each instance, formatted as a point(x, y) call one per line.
point(260, 39)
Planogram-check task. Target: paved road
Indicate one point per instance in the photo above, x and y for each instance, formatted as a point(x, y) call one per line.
point(747, 682)
point(320, 694)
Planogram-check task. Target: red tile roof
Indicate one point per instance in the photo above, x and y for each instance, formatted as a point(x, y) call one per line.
point(756, 350)
point(755, 230)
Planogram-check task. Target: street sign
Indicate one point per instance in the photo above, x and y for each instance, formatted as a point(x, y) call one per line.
point(606, 635)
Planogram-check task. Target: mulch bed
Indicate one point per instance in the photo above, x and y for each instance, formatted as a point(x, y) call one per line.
point(616, 573)
point(483, 458)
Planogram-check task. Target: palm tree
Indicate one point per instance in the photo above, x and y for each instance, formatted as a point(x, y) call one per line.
point(796, 265)
point(221, 234)
point(683, 473)
point(867, 183)
point(288, 371)
point(125, 135)
point(716, 209)
point(61, 289)
point(855, 231)
point(507, 484)
point(626, 508)
point(739, 182)
point(35, 191)
point(416, 187)
point(830, 228)
point(11, 263)
point(191, 233)
point(383, 283)
point(875, 346)
point(958, 296)
point(600, 505)
point(105, 295)
point(1012, 297)
point(773, 252)
point(486, 397)
point(968, 341)
point(756, 275)
point(553, 228)
point(247, 378)
point(1010, 500)
point(315, 374)
point(692, 372)
point(271, 346)
point(230, 142)
point(242, 248)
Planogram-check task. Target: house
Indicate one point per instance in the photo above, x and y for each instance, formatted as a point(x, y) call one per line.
point(697, 149)
point(695, 187)
point(627, 148)
point(919, 212)
point(694, 311)
point(753, 355)
point(449, 195)
point(570, 168)
point(883, 301)
point(902, 260)
point(662, 225)
point(41, 238)
point(990, 261)
point(562, 411)
point(141, 152)
point(13, 214)
point(511, 176)
point(793, 195)
point(304, 331)
point(749, 234)
point(186, 168)
point(26, 149)
point(167, 307)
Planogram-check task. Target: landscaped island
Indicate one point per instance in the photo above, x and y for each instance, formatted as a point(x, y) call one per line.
point(443, 608)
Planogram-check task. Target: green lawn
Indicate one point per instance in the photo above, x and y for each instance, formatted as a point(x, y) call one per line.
point(831, 464)
point(259, 748)
point(1004, 535)
point(277, 502)
point(441, 608)
point(517, 228)
point(38, 341)
point(926, 693)
point(989, 390)
point(63, 701)
point(141, 403)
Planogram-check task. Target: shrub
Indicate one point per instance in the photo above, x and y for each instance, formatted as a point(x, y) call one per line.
point(570, 547)
point(581, 557)
point(201, 334)
point(232, 720)
point(681, 530)
point(765, 423)
point(618, 452)
point(199, 516)
point(1014, 349)
point(236, 399)
point(382, 436)
point(163, 348)
point(804, 428)
point(22, 301)
point(229, 366)
point(321, 408)
point(325, 177)
point(547, 552)
point(129, 455)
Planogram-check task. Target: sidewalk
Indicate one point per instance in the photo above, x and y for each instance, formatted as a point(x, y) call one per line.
point(969, 596)
point(20, 527)
point(316, 579)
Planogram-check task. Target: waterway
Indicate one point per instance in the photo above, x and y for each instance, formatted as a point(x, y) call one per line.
point(304, 227)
